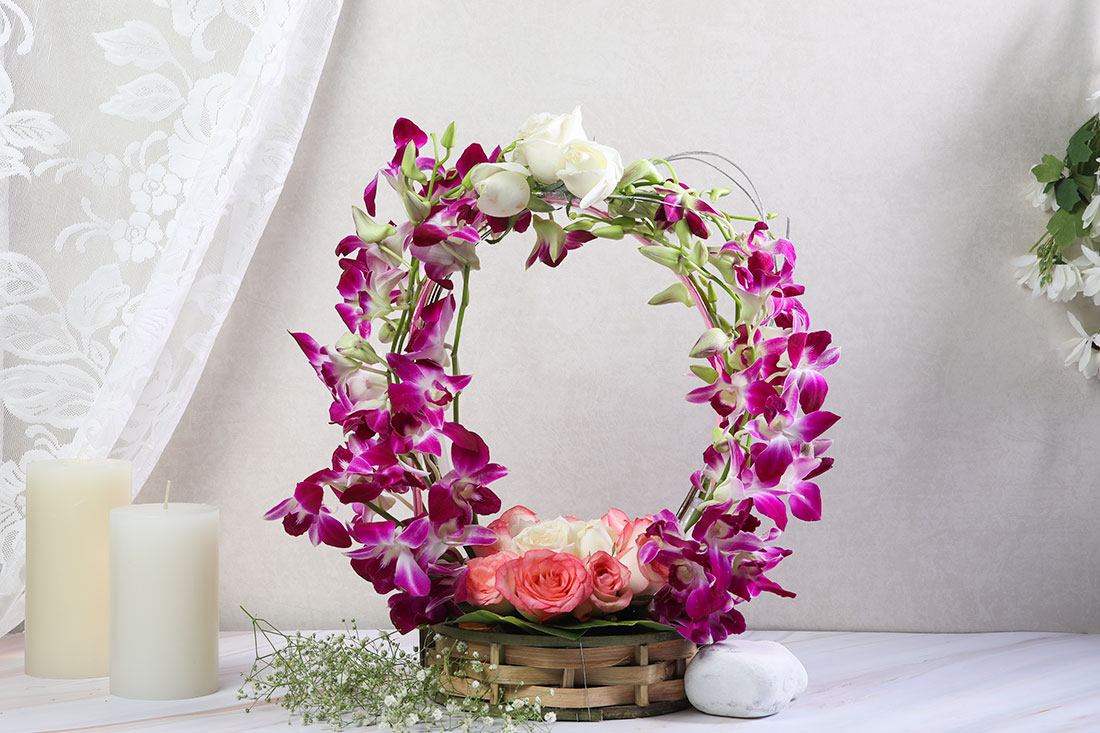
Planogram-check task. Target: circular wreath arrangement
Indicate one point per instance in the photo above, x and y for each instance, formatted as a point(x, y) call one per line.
point(410, 508)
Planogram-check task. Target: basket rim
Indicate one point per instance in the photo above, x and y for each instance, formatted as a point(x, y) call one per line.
point(589, 640)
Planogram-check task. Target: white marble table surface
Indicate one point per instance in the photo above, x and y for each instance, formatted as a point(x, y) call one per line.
point(858, 682)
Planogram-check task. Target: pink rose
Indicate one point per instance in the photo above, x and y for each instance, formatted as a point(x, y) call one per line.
point(543, 584)
point(507, 526)
point(644, 579)
point(481, 581)
point(615, 520)
point(610, 586)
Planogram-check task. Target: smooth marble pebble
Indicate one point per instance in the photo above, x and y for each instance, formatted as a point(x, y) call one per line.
point(738, 678)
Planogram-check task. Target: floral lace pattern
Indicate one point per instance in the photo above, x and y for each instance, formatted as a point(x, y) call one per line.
point(132, 208)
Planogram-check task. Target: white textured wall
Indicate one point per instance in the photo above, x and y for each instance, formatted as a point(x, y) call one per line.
point(896, 135)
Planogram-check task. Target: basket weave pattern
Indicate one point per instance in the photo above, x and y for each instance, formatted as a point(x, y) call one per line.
point(593, 678)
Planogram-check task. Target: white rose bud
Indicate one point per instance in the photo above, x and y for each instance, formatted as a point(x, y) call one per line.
point(502, 188)
point(553, 534)
point(591, 171)
point(542, 143)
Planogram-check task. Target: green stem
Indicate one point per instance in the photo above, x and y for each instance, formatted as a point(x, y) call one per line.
point(405, 322)
point(458, 330)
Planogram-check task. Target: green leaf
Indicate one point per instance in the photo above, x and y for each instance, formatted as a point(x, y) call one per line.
point(706, 373)
point(1063, 226)
point(1066, 194)
point(570, 631)
point(1049, 170)
point(1079, 149)
point(538, 205)
point(482, 616)
point(1085, 184)
point(603, 623)
point(675, 293)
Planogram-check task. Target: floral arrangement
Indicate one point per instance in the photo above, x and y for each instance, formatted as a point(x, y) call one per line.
point(1068, 189)
point(407, 488)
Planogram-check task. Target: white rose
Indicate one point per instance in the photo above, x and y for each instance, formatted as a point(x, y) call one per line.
point(542, 142)
point(592, 536)
point(553, 534)
point(591, 171)
point(502, 188)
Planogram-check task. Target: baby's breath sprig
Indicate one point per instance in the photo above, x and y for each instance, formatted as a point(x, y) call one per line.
point(356, 679)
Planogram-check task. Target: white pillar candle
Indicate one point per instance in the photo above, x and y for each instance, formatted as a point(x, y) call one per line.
point(68, 589)
point(164, 601)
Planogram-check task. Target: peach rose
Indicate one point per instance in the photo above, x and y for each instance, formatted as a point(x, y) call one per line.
point(543, 584)
point(644, 579)
point(610, 586)
point(481, 581)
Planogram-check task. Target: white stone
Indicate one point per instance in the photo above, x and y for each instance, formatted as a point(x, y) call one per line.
point(737, 678)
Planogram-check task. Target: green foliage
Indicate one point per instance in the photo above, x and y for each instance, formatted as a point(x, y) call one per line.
point(1049, 170)
point(1066, 194)
point(1072, 181)
point(562, 630)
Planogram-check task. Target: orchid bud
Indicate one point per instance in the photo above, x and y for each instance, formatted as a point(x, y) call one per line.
point(613, 231)
point(662, 255)
point(367, 229)
point(416, 206)
point(386, 332)
point(675, 293)
point(699, 253)
point(640, 170)
point(448, 139)
point(683, 232)
point(706, 373)
point(713, 342)
point(354, 347)
point(408, 164)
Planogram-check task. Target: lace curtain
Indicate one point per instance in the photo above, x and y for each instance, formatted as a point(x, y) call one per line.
point(142, 148)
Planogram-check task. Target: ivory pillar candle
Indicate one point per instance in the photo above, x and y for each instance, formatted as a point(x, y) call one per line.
point(67, 623)
point(164, 601)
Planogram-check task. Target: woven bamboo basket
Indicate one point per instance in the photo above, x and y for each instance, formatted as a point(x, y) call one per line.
point(597, 677)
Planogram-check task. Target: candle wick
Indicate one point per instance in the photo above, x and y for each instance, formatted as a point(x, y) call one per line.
point(167, 489)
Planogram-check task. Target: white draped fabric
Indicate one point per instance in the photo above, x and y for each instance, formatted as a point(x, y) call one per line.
point(143, 145)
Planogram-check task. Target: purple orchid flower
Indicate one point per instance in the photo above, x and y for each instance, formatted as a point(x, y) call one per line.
point(804, 356)
point(305, 513)
point(446, 241)
point(391, 556)
point(464, 491)
point(422, 385)
point(429, 332)
point(732, 394)
point(683, 204)
point(543, 250)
